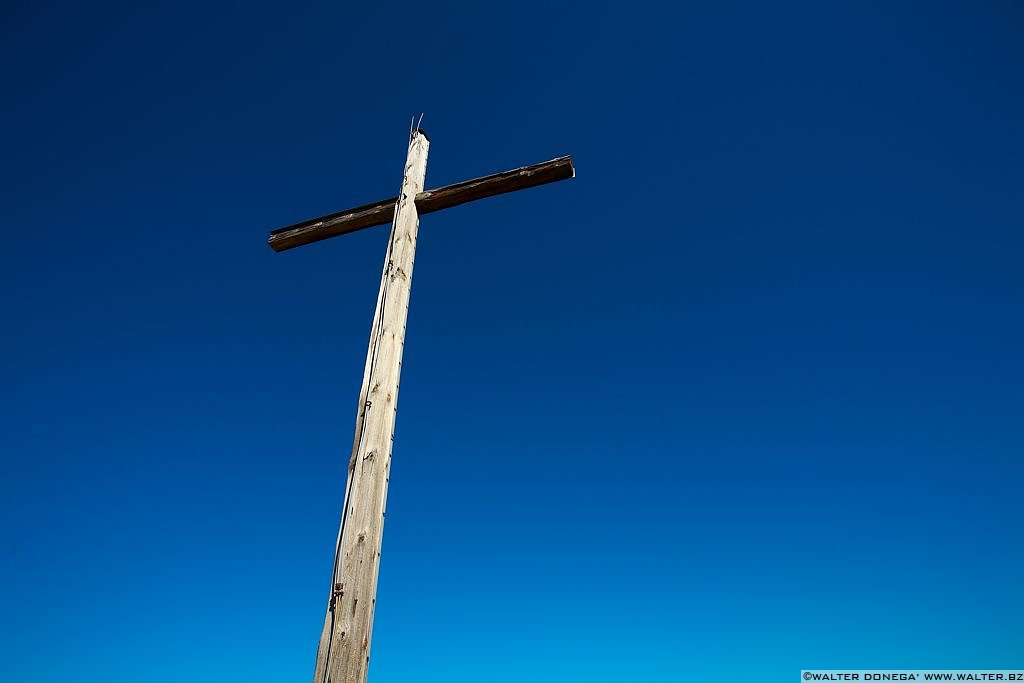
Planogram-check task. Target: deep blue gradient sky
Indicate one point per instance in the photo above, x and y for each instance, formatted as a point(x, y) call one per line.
point(745, 396)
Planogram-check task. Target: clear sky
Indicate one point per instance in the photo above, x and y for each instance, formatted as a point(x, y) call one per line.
point(743, 397)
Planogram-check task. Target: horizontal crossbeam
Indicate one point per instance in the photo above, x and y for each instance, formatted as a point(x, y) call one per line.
point(382, 212)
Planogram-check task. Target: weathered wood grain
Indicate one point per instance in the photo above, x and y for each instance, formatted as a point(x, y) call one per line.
point(344, 652)
point(382, 212)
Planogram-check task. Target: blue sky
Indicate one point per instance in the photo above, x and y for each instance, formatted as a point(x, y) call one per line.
point(743, 397)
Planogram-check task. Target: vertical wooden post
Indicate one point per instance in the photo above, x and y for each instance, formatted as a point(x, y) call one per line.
point(344, 652)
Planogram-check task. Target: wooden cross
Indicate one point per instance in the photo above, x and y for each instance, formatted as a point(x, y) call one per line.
point(344, 652)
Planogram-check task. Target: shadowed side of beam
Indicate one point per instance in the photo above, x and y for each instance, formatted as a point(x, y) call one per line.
point(499, 183)
point(334, 224)
point(428, 201)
